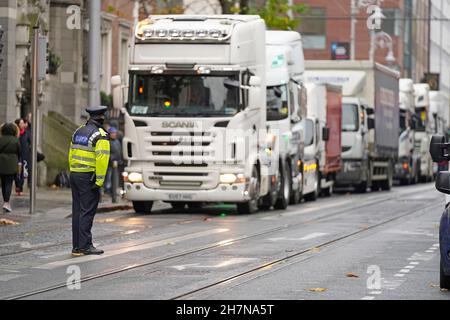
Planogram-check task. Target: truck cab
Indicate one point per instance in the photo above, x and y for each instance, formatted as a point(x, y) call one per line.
point(323, 134)
point(195, 120)
point(424, 130)
point(407, 167)
point(285, 110)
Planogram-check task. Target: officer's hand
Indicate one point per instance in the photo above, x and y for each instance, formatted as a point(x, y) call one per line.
point(95, 187)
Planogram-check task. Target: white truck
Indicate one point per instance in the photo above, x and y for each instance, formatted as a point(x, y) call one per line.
point(285, 109)
point(323, 135)
point(440, 117)
point(439, 112)
point(408, 164)
point(195, 120)
point(370, 124)
point(424, 130)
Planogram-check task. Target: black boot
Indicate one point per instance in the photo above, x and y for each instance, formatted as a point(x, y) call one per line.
point(91, 250)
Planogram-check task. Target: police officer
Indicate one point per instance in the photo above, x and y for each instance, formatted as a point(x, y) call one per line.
point(88, 160)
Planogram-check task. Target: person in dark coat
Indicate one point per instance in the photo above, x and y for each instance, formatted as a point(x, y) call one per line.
point(25, 153)
point(9, 160)
point(115, 155)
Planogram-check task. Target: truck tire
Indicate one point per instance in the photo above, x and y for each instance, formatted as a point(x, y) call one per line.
point(327, 192)
point(269, 200)
point(179, 206)
point(314, 195)
point(444, 279)
point(144, 207)
point(285, 189)
point(362, 187)
point(296, 196)
point(251, 206)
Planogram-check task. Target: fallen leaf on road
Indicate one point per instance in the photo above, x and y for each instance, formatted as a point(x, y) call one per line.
point(314, 250)
point(351, 275)
point(317, 289)
point(7, 222)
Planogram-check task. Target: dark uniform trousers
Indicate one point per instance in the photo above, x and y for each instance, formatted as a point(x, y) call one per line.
point(84, 205)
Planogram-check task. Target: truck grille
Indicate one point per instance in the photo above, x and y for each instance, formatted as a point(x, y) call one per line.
point(181, 160)
point(417, 146)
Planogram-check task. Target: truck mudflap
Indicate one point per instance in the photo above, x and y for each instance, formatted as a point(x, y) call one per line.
point(351, 173)
point(444, 241)
point(222, 193)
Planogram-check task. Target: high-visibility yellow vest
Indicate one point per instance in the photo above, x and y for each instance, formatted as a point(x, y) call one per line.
point(89, 151)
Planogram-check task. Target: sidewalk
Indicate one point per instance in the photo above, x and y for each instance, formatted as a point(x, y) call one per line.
point(58, 202)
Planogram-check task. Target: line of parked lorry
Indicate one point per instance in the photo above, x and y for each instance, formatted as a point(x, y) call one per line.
point(221, 110)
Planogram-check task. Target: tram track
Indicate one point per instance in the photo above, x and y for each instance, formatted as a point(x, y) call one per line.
point(219, 244)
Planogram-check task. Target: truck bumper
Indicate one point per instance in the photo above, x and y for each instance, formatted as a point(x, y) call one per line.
point(351, 173)
point(223, 193)
point(444, 241)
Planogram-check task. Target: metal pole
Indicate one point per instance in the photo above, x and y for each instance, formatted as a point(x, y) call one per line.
point(94, 52)
point(372, 46)
point(34, 103)
point(352, 29)
point(441, 47)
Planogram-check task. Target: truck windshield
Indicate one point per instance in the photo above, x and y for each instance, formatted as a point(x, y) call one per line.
point(350, 118)
point(309, 132)
point(421, 116)
point(183, 95)
point(402, 121)
point(277, 103)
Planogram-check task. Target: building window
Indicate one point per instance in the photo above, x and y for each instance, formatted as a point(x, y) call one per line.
point(313, 28)
point(391, 24)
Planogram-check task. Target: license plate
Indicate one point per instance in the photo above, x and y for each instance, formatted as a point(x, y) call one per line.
point(181, 196)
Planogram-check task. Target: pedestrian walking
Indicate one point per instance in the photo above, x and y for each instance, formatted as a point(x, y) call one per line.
point(9, 161)
point(116, 156)
point(88, 160)
point(25, 153)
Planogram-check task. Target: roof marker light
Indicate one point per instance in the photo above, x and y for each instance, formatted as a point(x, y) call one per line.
point(188, 33)
point(161, 33)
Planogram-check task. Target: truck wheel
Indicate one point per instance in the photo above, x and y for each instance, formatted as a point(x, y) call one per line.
point(270, 199)
point(328, 191)
point(296, 196)
point(362, 187)
point(251, 206)
point(144, 207)
point(444, 279)
point(285, 189)
point(314, 195)
point(178, 205)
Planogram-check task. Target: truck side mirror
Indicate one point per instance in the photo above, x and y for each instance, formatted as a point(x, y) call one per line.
point(325, 134)
point(370, 111)
point(443, 182)
point(370, 123)
point(117, 94)
point(439, 148)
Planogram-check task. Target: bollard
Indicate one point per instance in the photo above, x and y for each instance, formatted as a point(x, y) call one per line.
point(114, 181)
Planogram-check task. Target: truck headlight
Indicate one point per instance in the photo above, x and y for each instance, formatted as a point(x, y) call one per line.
point(135, 177)
point(232, 178)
